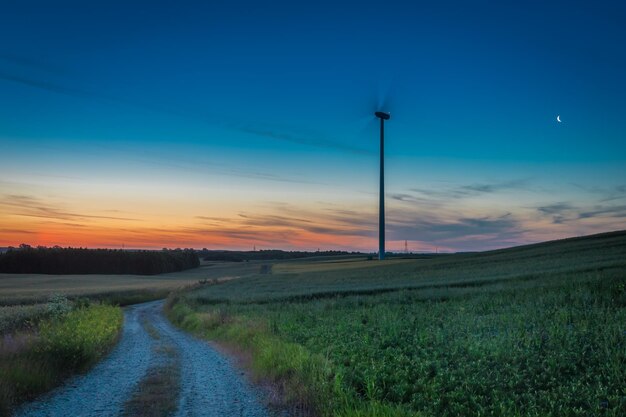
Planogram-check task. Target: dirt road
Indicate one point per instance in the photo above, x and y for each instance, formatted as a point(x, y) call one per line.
point(209, 384)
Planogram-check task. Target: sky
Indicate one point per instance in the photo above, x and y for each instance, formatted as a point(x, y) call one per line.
point(240, 124)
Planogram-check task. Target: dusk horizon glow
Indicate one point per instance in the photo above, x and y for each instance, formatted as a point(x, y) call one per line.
point(233, 126)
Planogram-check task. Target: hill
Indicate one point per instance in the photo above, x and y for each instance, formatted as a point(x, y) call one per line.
point(536, 330)
point(540, 263)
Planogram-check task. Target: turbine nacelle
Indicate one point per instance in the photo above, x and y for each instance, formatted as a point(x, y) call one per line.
point(382, 115)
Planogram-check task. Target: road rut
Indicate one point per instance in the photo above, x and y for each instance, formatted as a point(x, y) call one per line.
point(210, 385)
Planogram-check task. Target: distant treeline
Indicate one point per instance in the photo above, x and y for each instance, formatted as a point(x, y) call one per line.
point(262, 255)
point(56, 260)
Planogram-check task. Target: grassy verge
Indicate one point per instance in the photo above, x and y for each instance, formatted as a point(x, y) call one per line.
point(14, 318)
point(541, 335)
point(306, 383)
point(69, 341)
point(157, 393)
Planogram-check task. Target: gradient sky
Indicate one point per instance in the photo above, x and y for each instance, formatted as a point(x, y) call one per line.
point(230, 124)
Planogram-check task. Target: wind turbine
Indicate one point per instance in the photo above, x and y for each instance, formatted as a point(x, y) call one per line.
point(381, 210)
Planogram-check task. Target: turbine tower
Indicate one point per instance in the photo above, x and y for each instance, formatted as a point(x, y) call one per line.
point(381, 210)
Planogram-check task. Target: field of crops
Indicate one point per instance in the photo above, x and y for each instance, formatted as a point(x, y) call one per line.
point(305, 280)
point(530, 331)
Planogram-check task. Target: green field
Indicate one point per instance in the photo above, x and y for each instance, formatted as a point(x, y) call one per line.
point(538, 330)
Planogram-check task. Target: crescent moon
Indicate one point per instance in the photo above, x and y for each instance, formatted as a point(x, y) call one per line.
point(558, 118)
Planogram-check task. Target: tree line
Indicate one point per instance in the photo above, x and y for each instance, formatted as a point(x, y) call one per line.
point(57, 260)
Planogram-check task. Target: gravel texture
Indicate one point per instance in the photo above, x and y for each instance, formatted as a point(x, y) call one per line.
point(210, 385)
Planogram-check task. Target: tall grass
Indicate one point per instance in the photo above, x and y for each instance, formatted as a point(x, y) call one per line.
point(17, 317)
point(72, 341)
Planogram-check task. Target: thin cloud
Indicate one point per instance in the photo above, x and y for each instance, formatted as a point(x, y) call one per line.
point(463, 191)
point(560, 212)
point(401, 224)
point(441, 229)
point(218, 169)
point(36, 64)
point(328, 223)
point(292, 220)
point(556, 208)
point(307, 138)
point(273, 220)
point(240, 234)
point(409, 198)
point(600, 211)
point(16, 231)
point(55, 88)
point(213, 219)
point(563, 212)
point(605, 194)
point(316, 140)
point(363, 223)
point(74, 225)
point(27, 206)
point(484, 188)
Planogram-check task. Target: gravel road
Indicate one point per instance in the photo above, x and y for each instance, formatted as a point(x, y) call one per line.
point(210, 385)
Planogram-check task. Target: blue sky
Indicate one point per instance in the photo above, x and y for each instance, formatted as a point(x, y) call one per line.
point(241, 109)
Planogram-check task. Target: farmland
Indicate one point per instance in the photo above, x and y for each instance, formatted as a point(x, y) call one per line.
point(24, 297)
point(33, 288)
point(538, 330)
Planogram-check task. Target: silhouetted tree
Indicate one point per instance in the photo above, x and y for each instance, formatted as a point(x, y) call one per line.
point(56, 260)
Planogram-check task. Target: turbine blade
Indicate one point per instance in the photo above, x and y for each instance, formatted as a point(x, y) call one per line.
point(386, 96)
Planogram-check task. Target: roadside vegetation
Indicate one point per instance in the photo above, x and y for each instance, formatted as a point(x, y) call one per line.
point(531, 331)
point(20, 317)
point(68, 337)
point(61, 261)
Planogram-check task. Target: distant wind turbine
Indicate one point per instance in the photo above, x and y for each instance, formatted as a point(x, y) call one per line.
point(381, 211)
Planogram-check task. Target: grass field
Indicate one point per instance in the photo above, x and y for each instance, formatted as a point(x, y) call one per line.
point(33, 288)
point(313, 265)
point(530, 331)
